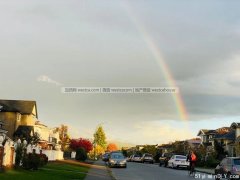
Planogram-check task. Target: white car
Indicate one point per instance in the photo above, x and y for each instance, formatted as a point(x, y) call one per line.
point(136, 158)
point(178, 161)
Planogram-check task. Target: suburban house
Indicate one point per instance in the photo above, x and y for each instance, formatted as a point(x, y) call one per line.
point(15, 113)
point(194, 142)
point(21, 119)
point(225, 136)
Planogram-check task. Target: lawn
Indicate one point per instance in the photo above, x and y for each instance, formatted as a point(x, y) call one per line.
point(52, 171)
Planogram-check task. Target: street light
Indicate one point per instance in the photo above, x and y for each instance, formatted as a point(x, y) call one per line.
point(3, 133)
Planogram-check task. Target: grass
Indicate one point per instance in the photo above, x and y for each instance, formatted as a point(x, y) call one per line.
point(52, 171)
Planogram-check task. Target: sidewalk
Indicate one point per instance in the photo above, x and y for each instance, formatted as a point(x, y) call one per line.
point(98, 170)
point(205, 170)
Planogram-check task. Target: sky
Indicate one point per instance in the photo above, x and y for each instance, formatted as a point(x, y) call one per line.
point(47, 45)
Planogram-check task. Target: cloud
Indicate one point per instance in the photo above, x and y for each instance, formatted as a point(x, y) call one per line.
point(157, 132)
point(44, 78)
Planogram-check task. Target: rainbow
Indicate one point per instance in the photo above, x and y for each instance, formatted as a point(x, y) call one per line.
point(181, 109)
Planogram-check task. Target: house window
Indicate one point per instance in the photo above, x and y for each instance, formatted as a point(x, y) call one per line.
point(204, 139)
point(52, 140)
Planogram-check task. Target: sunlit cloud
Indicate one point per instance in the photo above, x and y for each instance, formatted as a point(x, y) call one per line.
point(46, 79)
point(162, 132)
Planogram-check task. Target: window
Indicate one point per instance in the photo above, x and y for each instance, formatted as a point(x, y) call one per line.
point(236, 161)
point(181, 157)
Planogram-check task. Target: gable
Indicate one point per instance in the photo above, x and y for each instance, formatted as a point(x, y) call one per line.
point(21, 106)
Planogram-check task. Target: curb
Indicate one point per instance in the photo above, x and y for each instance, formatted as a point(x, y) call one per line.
point(202, 171)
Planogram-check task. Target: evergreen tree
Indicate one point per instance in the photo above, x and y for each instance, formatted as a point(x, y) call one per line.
point(100, 137)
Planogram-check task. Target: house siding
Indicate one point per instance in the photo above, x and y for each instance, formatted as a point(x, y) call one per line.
point(9, 120)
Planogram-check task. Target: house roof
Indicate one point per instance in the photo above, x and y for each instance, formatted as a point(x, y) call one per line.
point(38, 123)
point(222, 130)
point(21, 106)
point(194, 141)
point(206, 132)
point(228, 136)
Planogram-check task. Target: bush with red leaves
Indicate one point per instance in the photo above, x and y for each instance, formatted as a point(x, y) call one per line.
point(81, 143)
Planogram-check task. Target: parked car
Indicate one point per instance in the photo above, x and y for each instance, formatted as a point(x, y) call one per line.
point(117, 159)
point(177, 161)
point(147, 158)
point(163, 160)
point(136, 158)
point(105, 157)
point(129, 159)
point(229, 167)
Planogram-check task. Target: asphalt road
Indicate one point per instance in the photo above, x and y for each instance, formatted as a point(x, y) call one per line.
point(139, 171)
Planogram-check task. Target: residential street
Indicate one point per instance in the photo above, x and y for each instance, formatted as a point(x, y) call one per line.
point(141, 171)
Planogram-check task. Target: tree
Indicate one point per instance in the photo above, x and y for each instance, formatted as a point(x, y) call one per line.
point(220, 152)
point(81, 143)
point(112, 147)
point(125, 153)
point(34, 139)
point(21, 146)
point(180, 147)
point(151, 149)
point(63, 136)
point(100, 137)
point(97, 151)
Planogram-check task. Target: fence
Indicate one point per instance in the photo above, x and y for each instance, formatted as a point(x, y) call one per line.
point(8, 159)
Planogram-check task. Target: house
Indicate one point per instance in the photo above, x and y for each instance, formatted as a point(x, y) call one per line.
point(49, 136)
point(21, 120)
point(15, 113)
point(225, 137)
point(194, 142)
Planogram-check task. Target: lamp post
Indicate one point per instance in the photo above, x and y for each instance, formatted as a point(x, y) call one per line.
point(3, 133)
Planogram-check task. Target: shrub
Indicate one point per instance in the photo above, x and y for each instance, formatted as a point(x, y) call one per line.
point(34, 161)
point(26, 161)
point(81, 154)
point(211, 162)
point(43, 159)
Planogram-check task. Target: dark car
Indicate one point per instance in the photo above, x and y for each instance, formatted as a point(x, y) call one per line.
point(105, 157)
point(228, 168)
point(117, 159)
point(147, 158)
point(163, 160)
